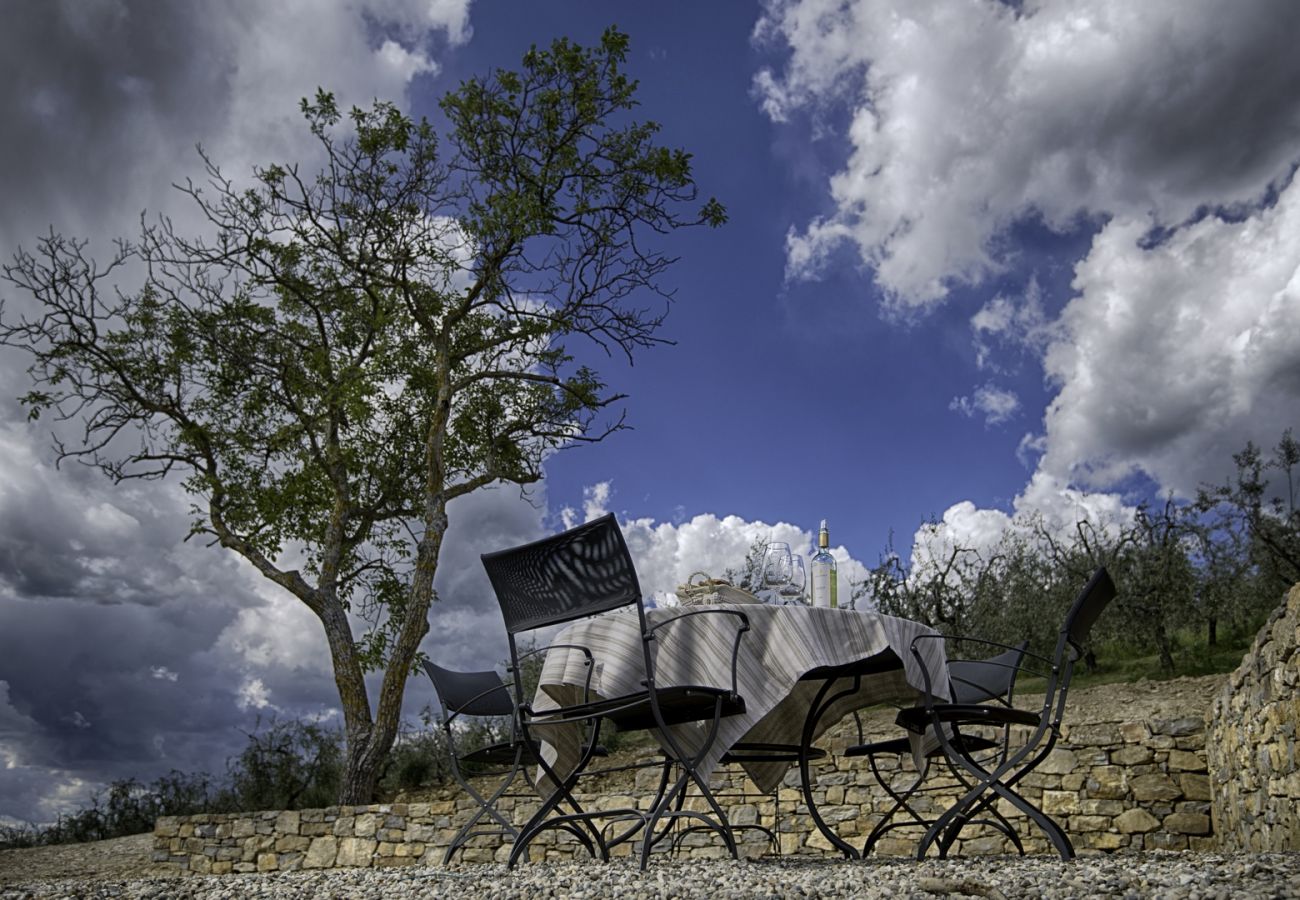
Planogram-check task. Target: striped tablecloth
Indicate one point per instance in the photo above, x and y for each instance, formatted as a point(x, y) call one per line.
point(783, 645)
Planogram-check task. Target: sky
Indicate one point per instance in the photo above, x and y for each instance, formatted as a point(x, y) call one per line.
point(983, 259)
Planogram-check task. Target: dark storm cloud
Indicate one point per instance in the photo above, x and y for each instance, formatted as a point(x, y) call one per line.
point(125, 652)
point(90, 88)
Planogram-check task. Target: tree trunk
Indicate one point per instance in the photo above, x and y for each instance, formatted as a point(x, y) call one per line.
point(1214, 631)
point(361, 770)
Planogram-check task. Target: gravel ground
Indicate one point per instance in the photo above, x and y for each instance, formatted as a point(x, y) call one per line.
point(1172, 875)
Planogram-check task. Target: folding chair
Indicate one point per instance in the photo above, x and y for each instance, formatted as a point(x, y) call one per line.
point(970, 681)
point(998, 781)
point(577, 574)
point(481, 694)
point(484, 694)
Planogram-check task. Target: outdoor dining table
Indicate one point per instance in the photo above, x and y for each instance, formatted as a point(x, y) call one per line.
point(800, 670)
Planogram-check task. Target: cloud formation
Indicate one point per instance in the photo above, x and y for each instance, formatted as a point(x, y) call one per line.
point(1170, 357)
point(968, 117)
point(123, 651)
point(1171, 130)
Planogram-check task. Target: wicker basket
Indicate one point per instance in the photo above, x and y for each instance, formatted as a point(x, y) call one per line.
point(707, 591)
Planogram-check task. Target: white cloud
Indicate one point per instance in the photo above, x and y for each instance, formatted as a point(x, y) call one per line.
point(595, 503)
point(966, 117)
point(253, 694)
point(666, 554)
point(1045, 503)
point(1171, 357)
point(162, 673)
point(995, 404)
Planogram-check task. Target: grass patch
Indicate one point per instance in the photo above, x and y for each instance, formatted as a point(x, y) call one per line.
point(1119, 664)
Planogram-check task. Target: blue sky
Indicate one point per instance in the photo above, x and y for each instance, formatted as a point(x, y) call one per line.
point(984, 260)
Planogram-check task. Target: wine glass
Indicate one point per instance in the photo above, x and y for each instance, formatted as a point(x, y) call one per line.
point(792, 591)
point(774, 570)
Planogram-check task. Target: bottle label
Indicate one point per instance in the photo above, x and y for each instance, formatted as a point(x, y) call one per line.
point(823, 584)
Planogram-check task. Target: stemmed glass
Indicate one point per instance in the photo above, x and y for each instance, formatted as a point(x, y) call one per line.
point(774, 570)
point(792, 591)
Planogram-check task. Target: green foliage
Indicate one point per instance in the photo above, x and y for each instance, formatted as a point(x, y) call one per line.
point(1183, 570)
point(288, 765)
point(344, 353)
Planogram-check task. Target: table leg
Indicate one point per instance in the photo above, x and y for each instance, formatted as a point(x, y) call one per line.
point(815, 712)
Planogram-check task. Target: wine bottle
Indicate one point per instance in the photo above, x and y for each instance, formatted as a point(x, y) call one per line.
point(825, 579)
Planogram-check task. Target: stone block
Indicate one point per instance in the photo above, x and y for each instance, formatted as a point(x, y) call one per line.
point(243, 828)
point(1132, 755)
point(1147, 788)
point(1184, 761)
point(1187, 823)
point(267, 862)
point(1107, 783)
point(1060, 803)
point(1178, 727)
point(288, 822)
point(1136, 821)
point(1101, 840)
point(321, 853)
point(1195, 787)
point(1059, 762)
point(1088, 735)
point(365, 825)
point(1081, 824)
point(1074, 781)
point(291, 844)
point(1163, 840)
point(1134, 732)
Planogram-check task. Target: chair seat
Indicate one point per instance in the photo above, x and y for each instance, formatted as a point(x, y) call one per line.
point(632, 712)
point(503, 754)
point(760, 753)
point(902, 746)
point(917, 719)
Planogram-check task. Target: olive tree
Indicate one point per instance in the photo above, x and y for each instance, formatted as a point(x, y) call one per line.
point(341, 354)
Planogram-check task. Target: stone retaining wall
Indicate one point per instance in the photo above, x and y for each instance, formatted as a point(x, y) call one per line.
point(1130, 773)
point(1253, 762)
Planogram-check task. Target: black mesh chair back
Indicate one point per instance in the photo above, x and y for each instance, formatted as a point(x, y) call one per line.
point(471, 693)
point(578, 573)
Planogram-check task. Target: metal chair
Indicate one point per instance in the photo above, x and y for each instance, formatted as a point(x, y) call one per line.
point(970, 681)
point(481, 694)
point(577, 574)
point(990, 783)
point(484, 694)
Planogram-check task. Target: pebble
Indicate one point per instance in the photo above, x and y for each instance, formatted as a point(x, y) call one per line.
point(1155, 874)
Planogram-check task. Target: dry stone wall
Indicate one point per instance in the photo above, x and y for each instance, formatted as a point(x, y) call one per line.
point(1253, 763)
point(1129, 774)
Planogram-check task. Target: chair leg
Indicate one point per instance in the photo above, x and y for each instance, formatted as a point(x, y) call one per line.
point(960, 812)
point(485, 807)
point(690, 773)
point(562, 793)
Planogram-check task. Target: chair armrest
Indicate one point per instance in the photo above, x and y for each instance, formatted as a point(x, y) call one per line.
point(735, 647)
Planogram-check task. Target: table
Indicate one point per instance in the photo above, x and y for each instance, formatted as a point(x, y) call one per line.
point(794, 658)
